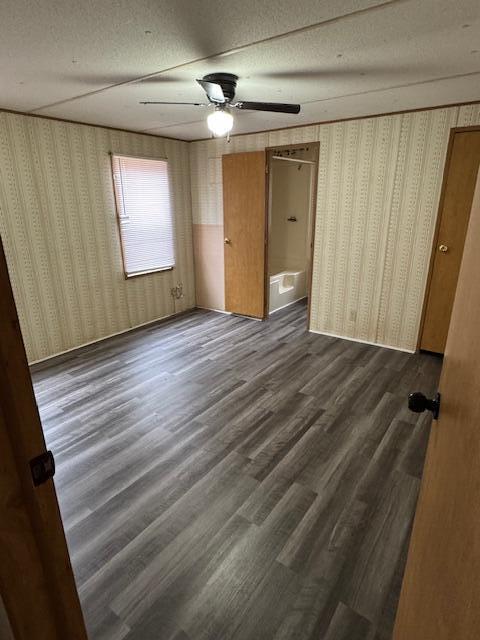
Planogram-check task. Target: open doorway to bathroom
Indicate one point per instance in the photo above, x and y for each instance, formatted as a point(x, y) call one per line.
point(292, 187)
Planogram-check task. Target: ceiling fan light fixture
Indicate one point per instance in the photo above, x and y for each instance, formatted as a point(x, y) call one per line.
point(220, 122)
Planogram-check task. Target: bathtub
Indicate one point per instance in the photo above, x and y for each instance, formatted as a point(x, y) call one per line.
point(286, 287)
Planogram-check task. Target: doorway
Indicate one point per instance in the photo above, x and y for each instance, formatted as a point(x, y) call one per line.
point(461, 168)
point(292, 181)
point(269, 202)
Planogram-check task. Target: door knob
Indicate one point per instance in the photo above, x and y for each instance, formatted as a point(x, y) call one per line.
point(443, 248)
point(418, 403)
point(227, 241)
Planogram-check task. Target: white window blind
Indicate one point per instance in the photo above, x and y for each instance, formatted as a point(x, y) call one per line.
point(142, 191)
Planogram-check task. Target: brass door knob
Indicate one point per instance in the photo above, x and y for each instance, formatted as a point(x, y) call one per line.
point(227, 241)
point(443, 248)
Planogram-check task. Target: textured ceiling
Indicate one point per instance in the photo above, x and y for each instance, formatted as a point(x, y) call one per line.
point(94, 60)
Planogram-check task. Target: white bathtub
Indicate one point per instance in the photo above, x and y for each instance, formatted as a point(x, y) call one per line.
point(286, 287)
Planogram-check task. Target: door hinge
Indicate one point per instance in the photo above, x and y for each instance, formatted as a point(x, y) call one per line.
point(42, 468)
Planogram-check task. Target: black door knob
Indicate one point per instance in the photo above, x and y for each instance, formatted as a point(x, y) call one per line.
point(419, 403)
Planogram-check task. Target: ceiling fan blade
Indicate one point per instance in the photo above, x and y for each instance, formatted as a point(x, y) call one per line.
point(213, 90)
point(277, 107)
point(160, 79)
point(195, 104)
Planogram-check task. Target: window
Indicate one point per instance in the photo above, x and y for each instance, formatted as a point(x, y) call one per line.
point(142, 193)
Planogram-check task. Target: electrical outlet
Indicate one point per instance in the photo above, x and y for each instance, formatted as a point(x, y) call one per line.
point(177, 292)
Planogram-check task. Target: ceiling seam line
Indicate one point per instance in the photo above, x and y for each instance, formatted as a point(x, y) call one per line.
point(346, 95)
point(287, 34)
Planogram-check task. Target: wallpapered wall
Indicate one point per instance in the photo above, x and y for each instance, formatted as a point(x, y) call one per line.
point(378, 191)
point(379, 184)
point(58, 226)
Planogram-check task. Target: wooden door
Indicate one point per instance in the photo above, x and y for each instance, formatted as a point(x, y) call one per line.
point(36, 580)
point(441, 589)
point(244, 182)
point(459, 183)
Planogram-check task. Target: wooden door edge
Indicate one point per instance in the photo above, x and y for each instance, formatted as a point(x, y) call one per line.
point(22, 427)
point(453, 412)
point(223, 241)
point(27, 609)
point(266, 275)
point(266, 287)
point(313, 230)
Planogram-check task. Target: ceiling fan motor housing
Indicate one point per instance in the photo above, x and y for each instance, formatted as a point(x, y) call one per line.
point(228, 82)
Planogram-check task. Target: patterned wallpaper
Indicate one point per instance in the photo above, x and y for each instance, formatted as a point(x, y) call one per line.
point(58, 226)
point(378, 192)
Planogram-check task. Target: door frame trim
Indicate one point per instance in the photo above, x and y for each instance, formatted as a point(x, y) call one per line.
point(446, 169)
point(268, 169)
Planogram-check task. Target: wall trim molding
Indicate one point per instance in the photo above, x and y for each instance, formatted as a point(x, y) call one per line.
point(248, 133)
point(367, 117)
point(36, 365)
point(89, 124)
point(374, 344)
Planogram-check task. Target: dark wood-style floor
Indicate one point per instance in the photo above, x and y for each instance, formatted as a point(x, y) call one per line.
point(221, 478)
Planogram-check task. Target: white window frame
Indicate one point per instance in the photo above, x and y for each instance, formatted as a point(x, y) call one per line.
point(120, 213)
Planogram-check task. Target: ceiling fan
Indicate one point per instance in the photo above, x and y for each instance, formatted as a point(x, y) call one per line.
point(220, 89)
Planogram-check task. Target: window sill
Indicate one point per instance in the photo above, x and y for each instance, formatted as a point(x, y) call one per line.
point(146, 273)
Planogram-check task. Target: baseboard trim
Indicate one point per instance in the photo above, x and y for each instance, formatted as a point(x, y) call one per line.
point(227, 313)
point(287, 305)
point(36, 365)
point(374, 344)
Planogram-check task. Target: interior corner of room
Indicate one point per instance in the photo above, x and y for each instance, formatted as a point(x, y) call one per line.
point(65, 256)
point(377, 180)
point(239, 353)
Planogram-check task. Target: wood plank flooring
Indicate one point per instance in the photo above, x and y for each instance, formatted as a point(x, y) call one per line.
point(226, 479)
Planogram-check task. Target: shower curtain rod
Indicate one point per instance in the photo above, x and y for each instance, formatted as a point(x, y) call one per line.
point(293, 160)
